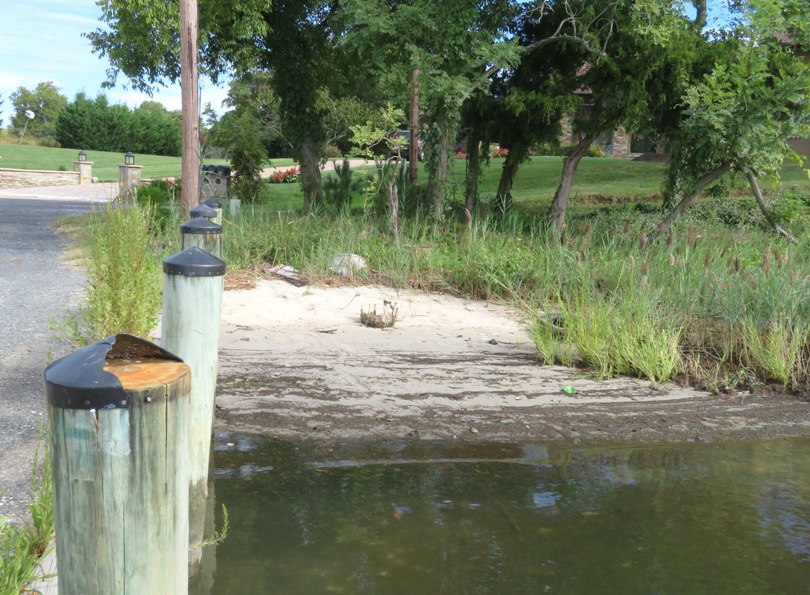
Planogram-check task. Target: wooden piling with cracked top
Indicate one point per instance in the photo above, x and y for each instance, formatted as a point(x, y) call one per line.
point(118, 413)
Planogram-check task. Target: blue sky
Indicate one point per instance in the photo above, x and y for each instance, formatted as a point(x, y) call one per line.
point(41, 40)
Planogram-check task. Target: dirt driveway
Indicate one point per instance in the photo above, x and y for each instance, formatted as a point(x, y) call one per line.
point(295, 362)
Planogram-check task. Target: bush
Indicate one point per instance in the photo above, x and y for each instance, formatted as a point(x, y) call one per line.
point(123, 288)
point(160, 197)
point(338, 190)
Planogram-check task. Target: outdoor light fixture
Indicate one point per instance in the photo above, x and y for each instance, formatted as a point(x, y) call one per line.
point(82, 156)
point(129, 158)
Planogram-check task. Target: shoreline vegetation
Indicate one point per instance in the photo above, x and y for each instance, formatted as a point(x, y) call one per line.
point(720, 302)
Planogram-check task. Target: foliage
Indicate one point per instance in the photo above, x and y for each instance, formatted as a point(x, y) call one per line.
point(340, 188)
point(160, 197)
point(740, 115)
point(247, 156)
point(45, 101)
point(96, 125)
point(21, 548)
point(676, 309)
point(452, 44)
point(123, 287)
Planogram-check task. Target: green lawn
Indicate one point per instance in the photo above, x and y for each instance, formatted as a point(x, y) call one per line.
point(105, 165)
point(536, 181)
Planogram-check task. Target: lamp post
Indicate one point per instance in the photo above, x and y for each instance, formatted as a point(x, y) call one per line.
point(82, 156)
point(129, 158)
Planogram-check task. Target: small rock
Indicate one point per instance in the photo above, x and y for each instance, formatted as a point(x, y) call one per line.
point(347, 264)
point(492, 342)
point(473, 430)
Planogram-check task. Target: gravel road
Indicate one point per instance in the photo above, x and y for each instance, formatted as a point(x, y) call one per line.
point(36, 286)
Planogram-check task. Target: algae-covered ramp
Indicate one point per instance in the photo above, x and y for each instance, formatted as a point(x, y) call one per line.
point(296, 362)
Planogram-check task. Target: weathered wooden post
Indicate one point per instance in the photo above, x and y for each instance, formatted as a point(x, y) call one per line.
point(215, 204)
point(202, 233)
point(118, 412)
point(192, 301)
point(205, 212)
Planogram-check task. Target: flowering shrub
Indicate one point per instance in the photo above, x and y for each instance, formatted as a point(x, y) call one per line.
point(285, 176)
point(460, 155)
point(500, 152)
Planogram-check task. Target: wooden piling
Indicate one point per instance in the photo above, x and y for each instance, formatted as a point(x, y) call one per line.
point(194, 281)
point(202, 233)
point(215, 204)
point(205, 212)
point(118, 412)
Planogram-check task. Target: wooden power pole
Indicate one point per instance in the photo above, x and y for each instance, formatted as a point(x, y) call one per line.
point(189, 92)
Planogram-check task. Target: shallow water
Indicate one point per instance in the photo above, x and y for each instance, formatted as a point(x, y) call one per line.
point(511, 518)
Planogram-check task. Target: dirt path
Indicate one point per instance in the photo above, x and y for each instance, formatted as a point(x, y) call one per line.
point(328, 166)
point(297, 363)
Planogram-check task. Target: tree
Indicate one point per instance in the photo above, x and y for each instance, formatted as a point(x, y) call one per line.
point(738, 117)
point(452, 44)
point(45, 102)
point(155, 130)
point(294, 40)
point(634, 79)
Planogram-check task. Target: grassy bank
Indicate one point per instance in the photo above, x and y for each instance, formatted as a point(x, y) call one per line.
point(719, 302)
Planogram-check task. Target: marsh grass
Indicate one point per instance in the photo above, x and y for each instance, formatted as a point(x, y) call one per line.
point(22, 547)
point(696, 305)
point(123, 285)
point(777, 350)
point(674, 309)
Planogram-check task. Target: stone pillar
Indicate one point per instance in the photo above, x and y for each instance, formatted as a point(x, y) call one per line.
point(621, 142)
point(85, 169)
point(566, 131)
point(129, 177)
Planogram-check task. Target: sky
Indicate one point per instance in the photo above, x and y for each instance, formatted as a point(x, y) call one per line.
point(41, 40)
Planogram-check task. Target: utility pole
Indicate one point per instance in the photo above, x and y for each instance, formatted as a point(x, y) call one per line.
point(413, 154)
point(189, 93)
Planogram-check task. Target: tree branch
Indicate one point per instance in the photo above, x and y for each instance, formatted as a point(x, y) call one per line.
point(752, 180)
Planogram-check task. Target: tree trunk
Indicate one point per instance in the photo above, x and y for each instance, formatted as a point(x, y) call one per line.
point(556, 215)
point(473, 171)
point(687, 200)
point(439, 179)
point(414, 127)
point(752, 180)
point(311, 175)
point(503, 198)
point(393, 206)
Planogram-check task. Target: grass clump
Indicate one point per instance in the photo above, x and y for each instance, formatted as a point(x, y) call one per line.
point(123, 287)
point(22, 547)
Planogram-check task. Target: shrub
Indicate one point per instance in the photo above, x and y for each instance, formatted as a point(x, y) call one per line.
point(339, 189)
point(285, 176)
point(123, 288)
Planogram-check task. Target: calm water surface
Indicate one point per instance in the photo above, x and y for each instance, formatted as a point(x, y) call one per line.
point(425, 519)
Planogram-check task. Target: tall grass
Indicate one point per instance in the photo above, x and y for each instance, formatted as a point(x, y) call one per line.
point(123, 286)
point(680, 305)
point(22, 547)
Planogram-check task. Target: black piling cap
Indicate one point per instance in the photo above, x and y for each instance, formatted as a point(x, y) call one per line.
point(79, 381)
point(203, 210)
point(214, 203)
point(200, 225)
point(194, 262)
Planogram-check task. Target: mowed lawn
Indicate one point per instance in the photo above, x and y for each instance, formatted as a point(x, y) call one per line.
point(105, 165)
point(536, 181)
